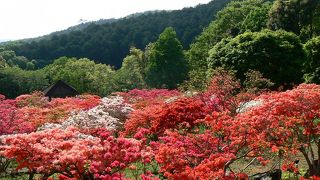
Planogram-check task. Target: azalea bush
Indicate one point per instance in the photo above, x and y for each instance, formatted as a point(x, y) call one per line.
point(27, 112)
point(144, 97)
point(111, 114)
point(73, 154)
point(288, 122)
point(181, 113)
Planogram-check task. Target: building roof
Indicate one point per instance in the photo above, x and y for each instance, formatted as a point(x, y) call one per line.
point(57, 86)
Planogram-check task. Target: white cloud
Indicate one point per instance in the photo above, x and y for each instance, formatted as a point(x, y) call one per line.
point(31, 18)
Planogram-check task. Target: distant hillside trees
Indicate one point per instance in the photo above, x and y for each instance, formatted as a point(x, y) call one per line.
point(109, 43)
point(9, 58)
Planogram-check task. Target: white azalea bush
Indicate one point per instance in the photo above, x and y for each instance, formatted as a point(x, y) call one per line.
point(111, 114)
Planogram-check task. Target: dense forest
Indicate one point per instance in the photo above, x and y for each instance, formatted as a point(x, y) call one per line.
point(109, 41)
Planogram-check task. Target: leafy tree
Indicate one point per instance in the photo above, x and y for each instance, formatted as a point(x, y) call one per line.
point(298, 16)
point(312, 64)
point(278, 55)
point(83, 74)
point(166, 65)
point(12, 59)
point(15, 81)
point(237, 17)
point(284, 15)
point(257, 19)
point(131, 75)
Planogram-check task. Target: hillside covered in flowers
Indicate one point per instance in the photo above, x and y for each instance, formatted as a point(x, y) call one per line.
point(161, 134)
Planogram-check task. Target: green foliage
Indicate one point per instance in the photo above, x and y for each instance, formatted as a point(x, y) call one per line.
point(132, 73)
point(109, 42)
point(284, 15)
point(235, 18)
point(312, 63)
point(298, 16)
point(9, 58)
point(278, 55)
point(15, 81)
point(257, 19)
point(166, 66)
point(83, 74)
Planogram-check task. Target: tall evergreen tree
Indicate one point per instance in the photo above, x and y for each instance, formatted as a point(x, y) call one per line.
point(167, 66)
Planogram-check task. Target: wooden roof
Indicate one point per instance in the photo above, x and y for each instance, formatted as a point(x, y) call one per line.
point(55, 90)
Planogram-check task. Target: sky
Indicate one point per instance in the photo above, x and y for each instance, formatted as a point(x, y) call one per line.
point(32, 18)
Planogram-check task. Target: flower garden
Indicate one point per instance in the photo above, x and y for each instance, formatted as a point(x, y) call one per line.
point(161, 134)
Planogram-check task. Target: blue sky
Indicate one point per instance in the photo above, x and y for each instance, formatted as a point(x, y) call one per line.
point(31, 18)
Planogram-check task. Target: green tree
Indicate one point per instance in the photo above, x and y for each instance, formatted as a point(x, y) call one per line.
point(13, 60)
point(312, 64)
point(284, 15)
point(298, 16)
point(278, 55)
point(237, 17)
point(131, 75)
point(166, 66)
point(16, 81)
point(83, 74)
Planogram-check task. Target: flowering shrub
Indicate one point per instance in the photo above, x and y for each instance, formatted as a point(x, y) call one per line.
point(182, 113)
point(180, 156)
point(111, 114)
point(288, 122)
point(143, 98)
point(27, 112)
point(11, 119)
point(51, 151)
point(197, 137)
point(36, 99)
point(73, 154)
point(224, 93)
point(117, 154)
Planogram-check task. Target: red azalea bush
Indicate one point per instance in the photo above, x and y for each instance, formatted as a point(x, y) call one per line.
point(145, 97)
point(117, 154)
point(192, 156)
point(181, 113)
point(73, 154)
point(11, 119)
point(27, 112)
point(51, 151)
point(288, 122)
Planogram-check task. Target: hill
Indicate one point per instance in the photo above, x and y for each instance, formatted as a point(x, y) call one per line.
point(108, 42)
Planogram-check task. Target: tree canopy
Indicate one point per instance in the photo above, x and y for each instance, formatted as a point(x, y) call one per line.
point(237, 17)
point(278, 55)
point(166, 66)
